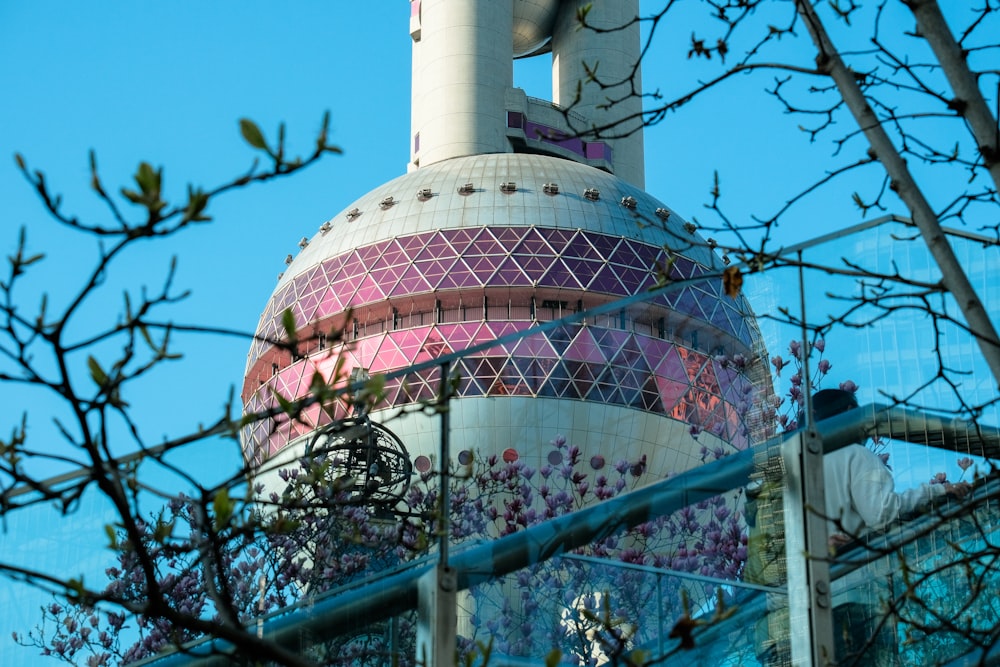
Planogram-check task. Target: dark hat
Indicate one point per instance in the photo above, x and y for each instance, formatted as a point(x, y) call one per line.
point(827, 403)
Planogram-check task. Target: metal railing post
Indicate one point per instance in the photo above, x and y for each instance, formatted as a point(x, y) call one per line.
point(436, 589)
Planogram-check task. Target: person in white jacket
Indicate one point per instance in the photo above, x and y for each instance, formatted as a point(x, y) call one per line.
point(861, 494)
point(861, 499)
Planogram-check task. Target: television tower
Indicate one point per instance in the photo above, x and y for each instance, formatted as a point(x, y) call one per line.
point(513, 212)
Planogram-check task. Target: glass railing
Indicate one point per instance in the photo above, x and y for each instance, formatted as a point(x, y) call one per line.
point(669, 410)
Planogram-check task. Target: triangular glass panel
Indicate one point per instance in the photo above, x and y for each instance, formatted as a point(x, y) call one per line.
point(510, 274)
point(283, 299)
point(346, 288)
point(605, 392)
point(509, 237)
point(434, 270)
point(624, 255)
point(671, 366)
point(486, 368)
point(558, 381)
point(484, 266)
point(687, 303)
point(692, 362)
point(486, 244)
point(434, 346)
point(393, 255)
point(698, 270)
point(468, 383)
point(610, 340)
point(606, 281)
point(584, 348)
point(392, 392)
point(682, 266)
point(353, 266)
point(557, 238)
point(654, 350)
point(581, 378)
point(583, 271)
point(630, 386)
point(645, 253)
point(387, 277)
point(604, 245)
point(560, 337)
point(631, 356)
point(307, 306)
point(720, 320)
point(410, 341)
point(536, 346)
point(333, 266)
point(532, 243)
point(460, 275)
point(459, 336)
point(387, 357)
point(559, 275)
point(493, 329)
point(316, 281)
point(634, 280)
point(533, 371)
point(368, 291)
point(437, 248)
point(460, 239)
point(579, 246)
point(411, 282)
point(414, 244)
point(706, 378)
point(534, 267)
point(366, 351)
point(371, 253)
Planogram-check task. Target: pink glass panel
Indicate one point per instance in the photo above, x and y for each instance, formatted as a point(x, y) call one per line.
point(412, 282)
point(484, 266)
point(433, 347)
point(409, 341)
point(329, 304)
point(353, 266)
point(434, 270)
point(393, 255)
point(389, 357)
point(486, 244)
point(460, 239)
point(368, 292)
point(370, 254)
point(584, 348)
point(386, 278)
point(534, 346)
point(436, 248)
point(672, 366)
point(413, 244)
point(459, 336)
point(460, 275)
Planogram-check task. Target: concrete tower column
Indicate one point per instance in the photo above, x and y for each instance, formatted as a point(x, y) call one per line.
point(416, 50)
point(462, 67)
point(615, 53)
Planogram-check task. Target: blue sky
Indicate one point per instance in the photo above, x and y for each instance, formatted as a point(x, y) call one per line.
point(167, 82)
